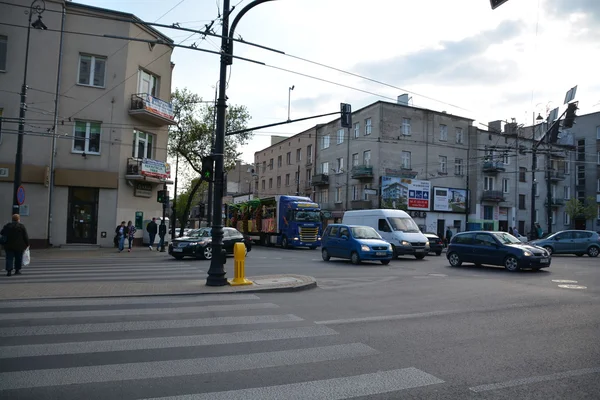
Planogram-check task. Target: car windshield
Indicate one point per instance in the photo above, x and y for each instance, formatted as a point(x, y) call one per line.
point(506, 238)
point(365, 232)
point(203, 232)
point(307, 216)
point(405, 224)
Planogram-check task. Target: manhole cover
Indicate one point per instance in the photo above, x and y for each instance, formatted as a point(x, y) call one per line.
point(572, 287)
point(563, 281)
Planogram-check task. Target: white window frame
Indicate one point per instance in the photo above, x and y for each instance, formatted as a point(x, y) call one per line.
point(270, 183)
point(505, 185)
point(443, 133)
point(505, 159)
point(567, 218)
point(488, 183)
point(279, 161)
point(406, 126)
point(279, 181)
point(325, 142)
point(92, 70)
point(355, 195)
point(87, 139)
point(288, 158)
point(367, 160)
point(365, 195)
point(339, 165)
point(356, 129)
point(459, 135)
point(309, 154)
point(340, 136)
point(458, 166)
point(338, 194)
point(567, 167)
point(153, 83)
point(298, 155)
point(325, 168)
point(324, 195)
point(355, 160)
point(567, 192)
point(136, 140)
point(406, 160)
point(554, 216)
point(3, 52)
point(443, 160)
point(368, 127)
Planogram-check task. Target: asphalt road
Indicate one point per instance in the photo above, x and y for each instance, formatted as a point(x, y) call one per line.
point(410, 330)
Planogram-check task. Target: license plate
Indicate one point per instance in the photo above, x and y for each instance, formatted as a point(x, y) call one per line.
point(381, 253)
point(419, 250)
point(544, 261)
point(177, 250)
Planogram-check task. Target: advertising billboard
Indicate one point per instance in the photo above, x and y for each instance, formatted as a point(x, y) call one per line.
point(449, 200)
point(405, 193)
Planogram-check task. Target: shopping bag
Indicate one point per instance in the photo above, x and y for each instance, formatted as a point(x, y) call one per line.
point(26, 257)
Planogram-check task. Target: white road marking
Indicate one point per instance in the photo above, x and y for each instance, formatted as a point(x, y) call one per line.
point(535, 379)
point(563, 281)
point(384, 318)
point(572, 287)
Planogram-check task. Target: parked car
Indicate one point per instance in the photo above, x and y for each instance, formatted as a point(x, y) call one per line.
point(199, 243)
point(571, 242)
point(435, 243)
point(355, 242)
point(496, 248)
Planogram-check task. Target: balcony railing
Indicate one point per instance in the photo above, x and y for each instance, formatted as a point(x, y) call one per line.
point(557, 175)
point(147, 170)
point(493, 166)
point(555, 202)
point(320, 179)
point(151, 109)
point(362, 172)
point(492, 195)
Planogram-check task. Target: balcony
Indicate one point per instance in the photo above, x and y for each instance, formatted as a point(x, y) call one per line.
point(557, 176)
point(555, 202)
point(309, 162)
point(492, 195)
point(151, 109)
point(362, 172)
point(320, 180)
point(146, 170)
point(493, 166)
point(361, 204)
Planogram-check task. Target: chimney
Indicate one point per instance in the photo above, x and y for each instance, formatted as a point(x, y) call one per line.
point(403, 99)
point(495, 126)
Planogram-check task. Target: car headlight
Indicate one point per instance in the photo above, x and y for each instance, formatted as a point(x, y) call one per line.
point(527, 253)
point(295, 238)
point(318, 237)
point(426, 244)
point(404, 243)
point(365, 248)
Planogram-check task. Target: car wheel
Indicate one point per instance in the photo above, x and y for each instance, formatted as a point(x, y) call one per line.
point(579, 254)
point(419, 256)
point(455, 260)
point(593, 251)
point(284, 243)
point(207, 253)
point(325, 255)
point(549, 249)
point(355, 258)
point(385, 262)
point(511, 263)
point(438, 253)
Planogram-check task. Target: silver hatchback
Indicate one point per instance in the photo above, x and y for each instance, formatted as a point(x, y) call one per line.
point(571, 242)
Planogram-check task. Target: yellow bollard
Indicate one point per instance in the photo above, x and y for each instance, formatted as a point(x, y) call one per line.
point(239, 266)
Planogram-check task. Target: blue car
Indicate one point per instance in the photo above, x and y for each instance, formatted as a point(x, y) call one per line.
point(496, 248)
point(355, 242)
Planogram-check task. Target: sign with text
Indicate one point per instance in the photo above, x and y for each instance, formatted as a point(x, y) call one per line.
point(156, 169)
point(405, 193)
point(449, 200)
point(142, 190)
point(158, 107)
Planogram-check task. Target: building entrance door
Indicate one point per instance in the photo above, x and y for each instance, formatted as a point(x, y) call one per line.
point(83, 215)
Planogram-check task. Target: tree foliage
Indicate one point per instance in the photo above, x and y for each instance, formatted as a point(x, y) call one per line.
point(577, 209)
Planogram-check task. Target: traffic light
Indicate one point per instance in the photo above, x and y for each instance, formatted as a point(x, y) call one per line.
point(162, 196)
point(346, 111)
point(207, 168)
point(570, 116)
point(201, 210)
point(497, 3)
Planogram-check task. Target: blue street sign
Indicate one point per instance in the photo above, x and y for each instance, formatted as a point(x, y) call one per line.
point(20, 195)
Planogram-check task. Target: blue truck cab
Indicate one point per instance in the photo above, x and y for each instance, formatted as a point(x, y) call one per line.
point(299, 222)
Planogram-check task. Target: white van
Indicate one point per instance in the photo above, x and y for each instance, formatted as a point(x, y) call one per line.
point(395, 226)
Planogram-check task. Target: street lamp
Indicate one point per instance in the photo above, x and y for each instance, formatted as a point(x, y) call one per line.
point(289, 98)
point(37, 6)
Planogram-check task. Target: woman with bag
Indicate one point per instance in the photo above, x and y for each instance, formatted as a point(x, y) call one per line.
point(130, 234)
point(16, 242)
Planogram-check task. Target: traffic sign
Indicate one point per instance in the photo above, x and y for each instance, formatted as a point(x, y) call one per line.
point(20, 195)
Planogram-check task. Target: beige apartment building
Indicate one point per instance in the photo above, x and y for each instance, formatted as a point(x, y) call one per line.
point(96, 154)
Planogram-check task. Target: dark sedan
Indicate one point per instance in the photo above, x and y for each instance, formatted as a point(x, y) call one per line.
point(495, 248)
point(435, 243)
point(199, 244)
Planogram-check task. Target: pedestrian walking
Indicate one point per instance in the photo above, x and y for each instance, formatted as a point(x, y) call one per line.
point(152, 228)
point(515, 232)
point(162, 231)
point(16, 241)
point(538, 230)
point(448, 236)
point(130, 234)
point(121, 232)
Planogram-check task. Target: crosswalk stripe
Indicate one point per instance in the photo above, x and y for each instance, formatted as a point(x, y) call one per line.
point(50, 349)
point(149, 277)
point(144, 311)
point(144, 325)
point(109, 267)
point(174, 368)
point(50, 275)
point(328, 389)
point(127, 301)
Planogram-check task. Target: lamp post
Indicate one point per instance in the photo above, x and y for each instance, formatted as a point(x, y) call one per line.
point(216, 272)
point(38, 6)
point(289, 99)
point(533, 168)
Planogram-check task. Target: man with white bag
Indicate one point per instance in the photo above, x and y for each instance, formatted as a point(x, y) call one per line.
point(16, 242)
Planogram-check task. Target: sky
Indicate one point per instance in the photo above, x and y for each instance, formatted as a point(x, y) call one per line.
point(461, 57)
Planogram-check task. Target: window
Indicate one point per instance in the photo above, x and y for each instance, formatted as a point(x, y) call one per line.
point(581, 175)
point(355, 159)
point(367, 157)
point(340, 136)
point(458, 166)
point(488, 183)
point(597, 128)
point(536, 189)
point(296, 177)
point(270, 183)
point(324, 196)
point(553, 217)
point(459, 135)
point(443, 164)
point(504, 185)
point(325, 168)
point(488, 212)
point(567, 167)
point(279, 181)
point(598, 186)
point(279, 161)
point(86, 137)
point(1, 111)
point(148, 83)
point(365, 194)
point(522, 201)
point(256, 186)
point(91, 70)
point(263, 184)
point(298, 155)
point(355, 192)
point(339, 165)
point(443, 133)
point(271, 164)
point(3, 52)
point(309, 154)
point(522, 174)
point(406, 164)
point(581, 150)
point(288, 158)
point(287, 179)
point(567, 192)
point(356, 130)
point(406, 126)
point(581, 196)
point(567, 218)
point(598, 158)
point(505, 159)
point(142, 145)
point(368, 126)
point(338, 194)
point(308, 176)
point(325, 142)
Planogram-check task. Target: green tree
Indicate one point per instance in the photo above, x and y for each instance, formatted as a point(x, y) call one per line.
point(586, 209)
point(187, 199)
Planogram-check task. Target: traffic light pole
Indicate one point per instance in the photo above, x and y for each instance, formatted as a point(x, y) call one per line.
point(164, 215)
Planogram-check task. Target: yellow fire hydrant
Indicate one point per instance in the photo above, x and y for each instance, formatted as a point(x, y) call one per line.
point(239, 266)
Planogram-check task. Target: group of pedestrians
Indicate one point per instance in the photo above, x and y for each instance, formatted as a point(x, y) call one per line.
point(128, 231)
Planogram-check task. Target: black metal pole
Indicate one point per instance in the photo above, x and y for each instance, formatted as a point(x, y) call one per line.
point(298, 182)
point(162, 222)
point(533, 184)
point(174, 214)
point(216, 272)
point(212, 150)
point(549, 185)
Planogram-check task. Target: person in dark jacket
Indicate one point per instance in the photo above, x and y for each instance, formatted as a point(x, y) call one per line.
point(152, 228)
point(162, 231)
point(17, 241)
point(121, 232)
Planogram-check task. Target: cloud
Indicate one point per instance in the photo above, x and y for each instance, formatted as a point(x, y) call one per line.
point(583, 14)
point(311, 104)
point(448, 56)
point(479, 69)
